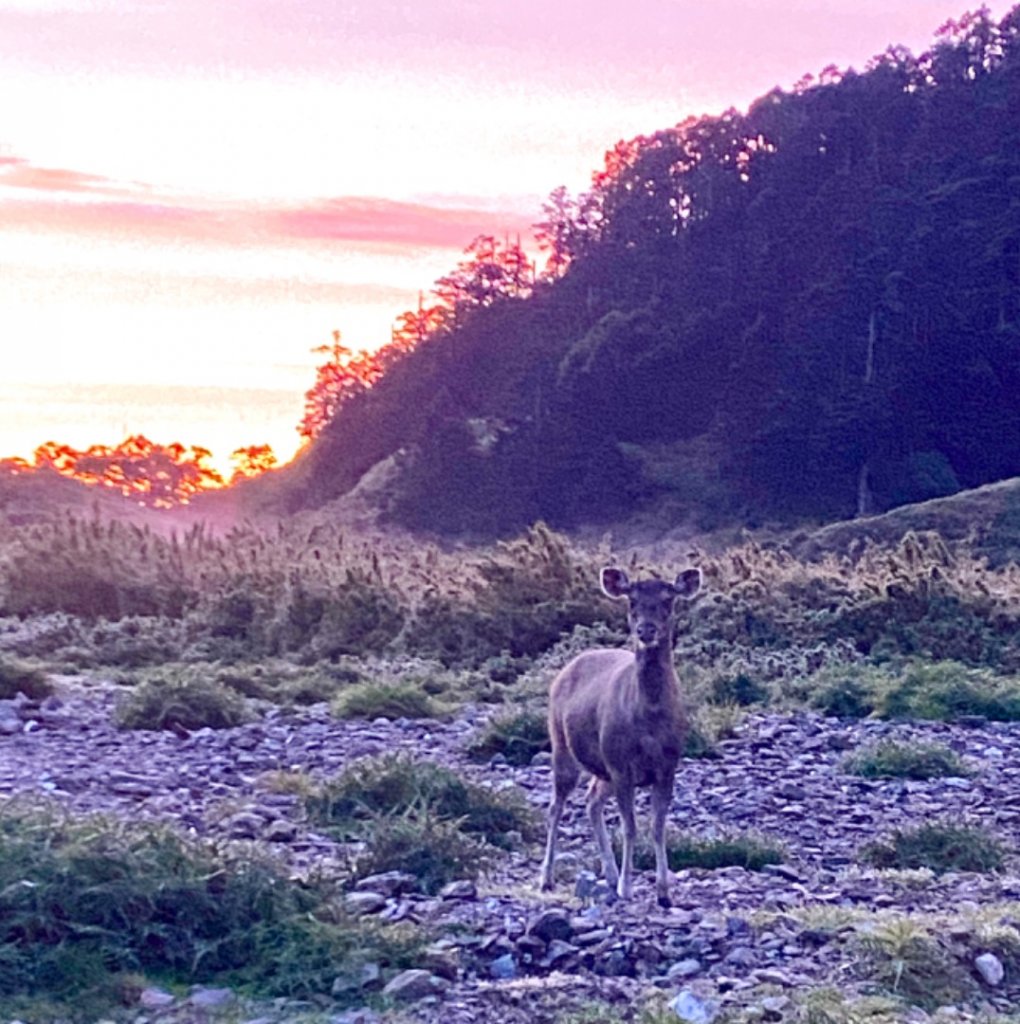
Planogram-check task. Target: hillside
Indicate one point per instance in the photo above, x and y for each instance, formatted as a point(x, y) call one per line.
point(799, 313)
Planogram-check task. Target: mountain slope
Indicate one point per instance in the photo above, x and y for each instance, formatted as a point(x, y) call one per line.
point(810, 310)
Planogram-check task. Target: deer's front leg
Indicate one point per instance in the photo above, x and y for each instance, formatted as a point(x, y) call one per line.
point(662, 794)
point(625, 798)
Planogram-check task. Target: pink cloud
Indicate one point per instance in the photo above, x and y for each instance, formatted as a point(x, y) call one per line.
point(17, 172)
point(77, 202)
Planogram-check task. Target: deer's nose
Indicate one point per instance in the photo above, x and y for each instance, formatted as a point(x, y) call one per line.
point(646, 632)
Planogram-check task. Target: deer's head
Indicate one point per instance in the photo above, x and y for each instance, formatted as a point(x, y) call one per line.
point(651, 604)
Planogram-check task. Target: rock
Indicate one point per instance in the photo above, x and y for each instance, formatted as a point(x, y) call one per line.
point(441, 960)
point(773, 1007)
point(684, 969)
point(412, 985)
point(551, 924)
point(558, 953)
point(989, 966)
point(155, 999)
point(463, 889)
point(211, 999)
point(693, 1008)
point(584, 885)
point(362, 903)
point(740, 956)
point(503, 968)
point(389, 883)
point(361, 1016)
point(280, 831)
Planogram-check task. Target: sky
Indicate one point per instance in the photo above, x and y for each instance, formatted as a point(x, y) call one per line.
point(195, 193)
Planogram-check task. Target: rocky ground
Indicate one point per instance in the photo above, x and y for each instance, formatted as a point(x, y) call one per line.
point(506, 952)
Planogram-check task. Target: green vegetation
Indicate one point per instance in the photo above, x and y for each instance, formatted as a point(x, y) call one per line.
point(419, 817)
point(19, 677)
point(938, 846)
point(384, 700)
point(188, 700)
point(88, 904)
point(518, 737)
point(947, 690)
point(892, 760)
point(744, 850)
point(907, 960)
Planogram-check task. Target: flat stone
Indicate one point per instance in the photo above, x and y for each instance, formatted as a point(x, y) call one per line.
point(362, 903)
point(413, 984)
point(212, 998)
point(389, 883)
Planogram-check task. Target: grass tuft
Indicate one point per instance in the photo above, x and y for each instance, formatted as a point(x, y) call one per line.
point(888, 759)
point(87, 905)
point(19, 677)
point(518, 737)
point(938, 846)
point(419, 817)
point(188, 701)
point(385, 700)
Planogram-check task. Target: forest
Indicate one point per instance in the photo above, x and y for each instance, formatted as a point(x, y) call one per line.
point(807, 311)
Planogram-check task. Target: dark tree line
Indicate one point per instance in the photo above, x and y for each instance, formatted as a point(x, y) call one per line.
point(811, 309)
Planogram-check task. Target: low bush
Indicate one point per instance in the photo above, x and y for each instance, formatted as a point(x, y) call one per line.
point(396, 785)
point(947, 690)
point(743, 850)
point(20, 677)
point(910, 962)
point(891, 760)
point(188, 701)
point(422, 843)
point(843, 693)
point(938, 846)
point(518, 737)
point(385, 700)
point(739, 689)
point(86, 902)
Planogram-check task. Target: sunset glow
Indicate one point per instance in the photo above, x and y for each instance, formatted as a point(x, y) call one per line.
point(194, 195)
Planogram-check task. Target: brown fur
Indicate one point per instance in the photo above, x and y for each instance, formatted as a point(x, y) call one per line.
point(618, 715)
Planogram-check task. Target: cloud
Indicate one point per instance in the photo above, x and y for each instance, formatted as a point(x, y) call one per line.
point(16, 172)
point(67, 200)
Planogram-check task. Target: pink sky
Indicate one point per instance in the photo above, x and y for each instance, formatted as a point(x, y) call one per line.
point(195, 193)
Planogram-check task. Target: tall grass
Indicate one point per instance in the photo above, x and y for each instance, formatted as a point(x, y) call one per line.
point(328, 593)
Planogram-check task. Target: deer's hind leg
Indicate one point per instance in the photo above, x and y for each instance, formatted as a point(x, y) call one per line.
point(565, 775)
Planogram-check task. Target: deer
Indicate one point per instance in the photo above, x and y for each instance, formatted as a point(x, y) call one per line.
point(618, 714)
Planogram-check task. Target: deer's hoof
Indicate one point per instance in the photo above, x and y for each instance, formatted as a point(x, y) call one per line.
point(665, 901)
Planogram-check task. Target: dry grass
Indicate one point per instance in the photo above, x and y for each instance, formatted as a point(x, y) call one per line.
point(327, 593)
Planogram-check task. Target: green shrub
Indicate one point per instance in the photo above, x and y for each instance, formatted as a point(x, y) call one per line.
point(946, 690)
point(432, 848)
point(685, 851)
point(889, 759)
point(938, 846)
point(84, 901)
point(745, 851)
point(19, 677)
point(739, 689)
point(189, 701)
point(905, 959)
point(384, 700)
point(518, 737)
point(842, 695)
point(397, 785)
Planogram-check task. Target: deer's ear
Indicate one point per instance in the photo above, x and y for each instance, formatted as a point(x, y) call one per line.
point(614, 582)
point(688, 583)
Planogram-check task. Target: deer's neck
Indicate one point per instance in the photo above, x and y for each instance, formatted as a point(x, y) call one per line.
point(655, 676)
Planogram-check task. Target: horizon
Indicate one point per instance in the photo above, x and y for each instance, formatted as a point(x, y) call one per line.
point(195, 196)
